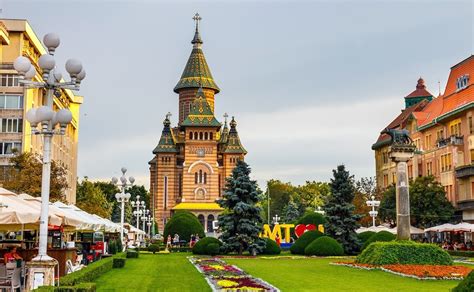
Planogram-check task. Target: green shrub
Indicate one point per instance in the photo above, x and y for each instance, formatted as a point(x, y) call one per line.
point(118, 263)
point(65, 289)
point(112, 247)
point(466, 285)
point(118, 245)
point(404, 252)
point(212, 249)
point(324, 246)
point(88, 273)
point(364, 236)
point(153, 248)
point(312, 218)
point(181, 249)
point(271, 247)
point(44, 289)
point(301, 243)
point(132, 254)
point(85, 287)
point(461, 253)
point(379, 236)
point(184, 224)
point(201, 246)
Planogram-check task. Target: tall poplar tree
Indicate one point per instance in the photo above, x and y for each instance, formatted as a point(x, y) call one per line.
point(240, 222)
point(342, 222)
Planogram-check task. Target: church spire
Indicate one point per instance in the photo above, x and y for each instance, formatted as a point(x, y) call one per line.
point(196, 73)
point(234, 146)
point(167, 142)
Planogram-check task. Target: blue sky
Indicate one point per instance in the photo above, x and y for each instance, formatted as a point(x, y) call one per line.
point(310, 83)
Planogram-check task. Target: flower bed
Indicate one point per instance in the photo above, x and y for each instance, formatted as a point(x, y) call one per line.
point(223, 277)
point(421, 272)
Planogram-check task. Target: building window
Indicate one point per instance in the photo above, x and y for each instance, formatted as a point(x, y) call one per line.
point(462, 82)
point(472, 155)
point(205, 178)
point(428, 142)
point(446, 163)
point(190, 135)
point(385, 180)
point(11, 101)
point(195, 135)
point(11, 126)
point(417, 143)
point(439, 135)
point(9, 80)
point(195, 178)
point(6, 148)
point(455, 128)
point(206, 137)
point(410, 171)
point(470, 125)
point(165, 197)
point(210, 136)
point(200, 136)
point(202, 220)
point(429, 168)
point(210, 219)
point(200, 176)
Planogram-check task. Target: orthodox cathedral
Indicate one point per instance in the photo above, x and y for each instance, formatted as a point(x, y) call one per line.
point(193, 159)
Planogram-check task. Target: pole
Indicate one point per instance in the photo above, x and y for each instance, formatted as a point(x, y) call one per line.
point(138, 214)
point(373, 217)
point(122, 215)
point(45, 185)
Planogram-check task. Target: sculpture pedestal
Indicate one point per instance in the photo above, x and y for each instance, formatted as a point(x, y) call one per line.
point(41, 272)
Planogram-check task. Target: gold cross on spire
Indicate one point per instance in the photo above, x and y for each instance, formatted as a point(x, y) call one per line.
point(197, 18)
point(225, 117)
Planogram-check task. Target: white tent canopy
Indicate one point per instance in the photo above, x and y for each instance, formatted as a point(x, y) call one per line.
point(413, 230)
point(464, 226)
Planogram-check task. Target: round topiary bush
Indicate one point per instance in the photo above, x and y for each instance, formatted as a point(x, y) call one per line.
point(184, 224)
point(201, 247)
point(212, 249)
point(466, 285)
point(154, 248)
point(312, 218)
point(404, 252)
point(324, 246)
point(271, 247)
point(364, 236)
point(301, 243)
point(379, 236)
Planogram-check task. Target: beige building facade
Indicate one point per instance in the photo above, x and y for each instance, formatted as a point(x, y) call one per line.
point(17, 38)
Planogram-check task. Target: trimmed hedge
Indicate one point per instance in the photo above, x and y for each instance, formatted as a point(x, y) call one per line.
point(202, 246)
point(180, 249)
point(132, 254)
point(404, 252)
point(379, 236)
point(364, 236)
point(82, 287)
point(153, 248)
point(184, 224)
point(271, 247)
point(118, 263)
point(324, 246)
point(301, 243)
point(461, 253)
point(88, 273)
point(466, 285)
point(213, 249)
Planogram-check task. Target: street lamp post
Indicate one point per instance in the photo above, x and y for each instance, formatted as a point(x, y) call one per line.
point(149, 220)
point(48, 119)
point(122, 197)
point(138, 213)
point(373, 203)
point(320, 211)
point(276, 218)
point(144, 218)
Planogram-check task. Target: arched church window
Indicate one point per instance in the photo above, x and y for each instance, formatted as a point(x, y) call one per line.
point(200, 136)
point(202, 220)
point(190, 135)
point(195, 135)
point(206, 137)
point(210, 136)
point(195, 177)
point(210, 219)
point(200, 176)
point(205, 178)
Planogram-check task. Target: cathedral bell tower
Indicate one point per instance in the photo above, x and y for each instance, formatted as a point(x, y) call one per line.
point(196, 74)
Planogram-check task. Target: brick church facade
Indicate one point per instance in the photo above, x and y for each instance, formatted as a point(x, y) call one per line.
point(193, 159)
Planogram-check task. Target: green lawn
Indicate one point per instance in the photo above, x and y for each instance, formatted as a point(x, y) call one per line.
point(159, 272)
point(173, 272)
point(315, 274)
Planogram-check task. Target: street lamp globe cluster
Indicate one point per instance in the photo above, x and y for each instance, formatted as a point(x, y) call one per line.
point(46, 117)
point(140, 211)
point(123, 197)
point(373, 203)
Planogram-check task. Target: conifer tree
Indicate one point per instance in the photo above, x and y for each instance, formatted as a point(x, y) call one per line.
point(291, 212)
point(240, 223)
point(342, 222)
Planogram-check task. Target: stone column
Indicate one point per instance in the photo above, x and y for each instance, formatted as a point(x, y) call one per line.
point(401, 156)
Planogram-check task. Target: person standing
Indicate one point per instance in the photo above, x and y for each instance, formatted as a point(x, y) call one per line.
point(168, 242)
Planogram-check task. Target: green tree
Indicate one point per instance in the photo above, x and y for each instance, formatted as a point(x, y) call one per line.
point(428, 203)
point(90, 198)
point(388, 206)
point(26, 173)
point(311, 195)
point(135, 191)
point(339, 209)
point(240, 222)
point(280, 194)
point(365, 188)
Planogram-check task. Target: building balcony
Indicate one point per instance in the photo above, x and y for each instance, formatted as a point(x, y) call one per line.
point(6, 66)
point(452, 140)
point(465, 205)
point(465, 171)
